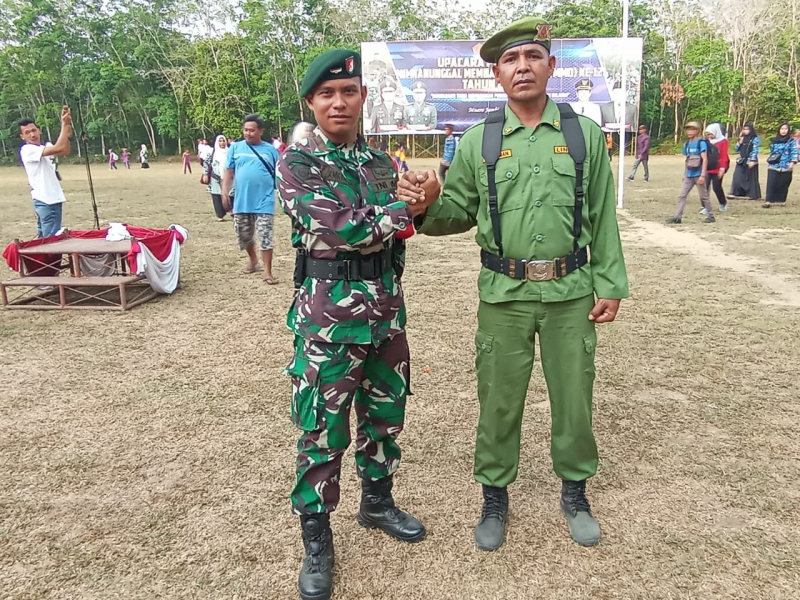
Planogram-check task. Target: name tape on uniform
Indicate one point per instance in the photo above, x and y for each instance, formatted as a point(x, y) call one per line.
point(561, 150)
point(504, 154)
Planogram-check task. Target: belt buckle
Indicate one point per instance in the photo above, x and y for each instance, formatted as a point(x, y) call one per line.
point(540, 270)
point(346, 270)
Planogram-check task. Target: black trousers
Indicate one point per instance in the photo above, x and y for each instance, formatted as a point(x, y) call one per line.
point(778, 183)
point(219, 210)
point(443, 168)
point(713, 180)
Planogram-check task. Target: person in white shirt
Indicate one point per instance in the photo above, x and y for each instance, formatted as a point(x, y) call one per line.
point(48, 197)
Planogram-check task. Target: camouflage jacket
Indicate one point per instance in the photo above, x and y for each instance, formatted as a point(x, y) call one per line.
point(342, 202)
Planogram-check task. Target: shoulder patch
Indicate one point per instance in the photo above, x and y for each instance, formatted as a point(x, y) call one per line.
point(561, 150)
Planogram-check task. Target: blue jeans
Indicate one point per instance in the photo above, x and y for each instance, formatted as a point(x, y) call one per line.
point(48, 218)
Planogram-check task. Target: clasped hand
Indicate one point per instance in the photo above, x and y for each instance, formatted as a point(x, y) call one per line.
point(418, 189)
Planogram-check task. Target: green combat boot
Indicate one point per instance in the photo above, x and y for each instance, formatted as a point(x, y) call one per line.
point(582, 526)
point(379, 512)
point(316, 576)
point(491, 529)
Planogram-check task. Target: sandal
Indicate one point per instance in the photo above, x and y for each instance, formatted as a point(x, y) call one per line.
point(271, 281)
point(252, 269)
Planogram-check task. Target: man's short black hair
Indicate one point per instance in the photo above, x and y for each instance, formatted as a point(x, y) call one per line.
point(255, 119)
point(449, 126)
point(26, 122)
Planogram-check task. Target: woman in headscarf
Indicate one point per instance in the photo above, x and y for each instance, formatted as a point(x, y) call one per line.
point(717, 136)
point(300, 131)
point(745, 177)
point(783, 155)
point(143, 156)
point(214, 167)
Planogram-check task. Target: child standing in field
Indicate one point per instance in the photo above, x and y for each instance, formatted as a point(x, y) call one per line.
point(126, 158)
point(187, 161)
point(112, 160)
point(400, 157)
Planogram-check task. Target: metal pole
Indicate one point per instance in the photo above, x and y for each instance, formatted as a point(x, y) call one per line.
point(621, 109)
point(84, 141)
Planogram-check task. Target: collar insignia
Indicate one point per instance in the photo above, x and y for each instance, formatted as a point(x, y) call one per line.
point(556, 123)
point(507, 130)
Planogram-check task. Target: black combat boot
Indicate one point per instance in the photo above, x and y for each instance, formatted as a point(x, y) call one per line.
point(582, 525)
point(316, 576)
point(491, 529)
point(379, 512)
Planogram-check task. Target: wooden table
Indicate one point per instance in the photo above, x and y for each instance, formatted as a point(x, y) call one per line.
point(76, 291)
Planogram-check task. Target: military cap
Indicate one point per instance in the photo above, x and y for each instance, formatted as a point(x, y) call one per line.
point(333, 64)
point(528, 30)
point(418, 85)
point(584, 84)
point(388, 84)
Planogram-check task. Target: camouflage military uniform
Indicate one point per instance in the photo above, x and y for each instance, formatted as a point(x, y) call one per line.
point(350, 343)
point(424, 114)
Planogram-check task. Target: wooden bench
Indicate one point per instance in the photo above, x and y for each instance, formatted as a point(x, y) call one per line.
point(133, 290)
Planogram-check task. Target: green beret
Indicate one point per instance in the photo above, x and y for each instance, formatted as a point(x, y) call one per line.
point(528, 30)
point(333, 64)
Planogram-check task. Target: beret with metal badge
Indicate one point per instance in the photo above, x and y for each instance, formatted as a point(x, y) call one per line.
point(333, 64)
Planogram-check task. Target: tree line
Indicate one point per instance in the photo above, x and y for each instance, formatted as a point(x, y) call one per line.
point(164, 72)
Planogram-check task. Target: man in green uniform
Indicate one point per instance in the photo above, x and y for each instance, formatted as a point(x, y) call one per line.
point(420, 114)
point(348, 315)
point(535, 225)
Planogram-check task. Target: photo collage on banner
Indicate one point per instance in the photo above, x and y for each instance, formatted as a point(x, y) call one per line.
point(418, 87)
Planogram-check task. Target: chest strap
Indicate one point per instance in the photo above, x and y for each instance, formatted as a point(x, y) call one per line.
point(359, 268)
point(535, 270)
point(492, 144)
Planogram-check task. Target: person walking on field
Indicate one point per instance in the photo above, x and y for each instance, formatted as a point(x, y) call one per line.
point(783, 156)
point(251, 167)
point(143, 156)
point(717, 137)
point(48, 197)
point(112, 160)
point(215, 166)
point(642, 153)
point(126, 158)
point(348, 316)
point(695, 149)
point(745, 176)
point(547, 228)
point(449, 151)
point(187, 162)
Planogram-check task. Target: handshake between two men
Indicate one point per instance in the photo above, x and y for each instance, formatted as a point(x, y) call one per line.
point(418, 189)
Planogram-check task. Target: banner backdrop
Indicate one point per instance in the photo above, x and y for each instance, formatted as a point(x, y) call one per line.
point(418, 87)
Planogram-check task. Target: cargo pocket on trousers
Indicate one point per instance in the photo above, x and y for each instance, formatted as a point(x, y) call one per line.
point(589, 344)
point(306, 397)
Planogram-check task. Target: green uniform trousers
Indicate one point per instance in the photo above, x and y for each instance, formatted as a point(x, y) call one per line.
point(327, 379)
point(505, 351)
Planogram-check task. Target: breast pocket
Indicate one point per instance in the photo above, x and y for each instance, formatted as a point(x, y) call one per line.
point(506, 175)
point(562, 189)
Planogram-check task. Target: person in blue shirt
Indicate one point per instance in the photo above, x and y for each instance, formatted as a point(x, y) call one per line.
point(449, 151)
point(251, 165)
point(745, 177)
point(783, 155)
point(696, 152)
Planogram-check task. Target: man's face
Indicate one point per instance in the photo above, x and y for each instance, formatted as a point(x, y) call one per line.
point(523, 72)
point(691, 132)
point(642, 130)
point(388, 95)
point(584, 95)
point(337, 105)
point(419, 95)
point(251, 133)
point(30, 134)
point(448, 131)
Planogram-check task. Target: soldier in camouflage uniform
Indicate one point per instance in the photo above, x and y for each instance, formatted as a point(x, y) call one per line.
point(420, 114)
point(348, 315)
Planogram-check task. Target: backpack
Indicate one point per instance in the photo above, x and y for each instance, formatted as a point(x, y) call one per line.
point(713, 156)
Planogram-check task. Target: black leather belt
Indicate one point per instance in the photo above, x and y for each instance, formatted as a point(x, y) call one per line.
point(359, 268)
point(535, 270)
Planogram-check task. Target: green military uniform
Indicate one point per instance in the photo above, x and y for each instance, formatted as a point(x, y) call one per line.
point(535, 179)
point(420, 114)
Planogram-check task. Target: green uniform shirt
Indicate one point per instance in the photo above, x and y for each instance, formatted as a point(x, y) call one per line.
point(536, 199)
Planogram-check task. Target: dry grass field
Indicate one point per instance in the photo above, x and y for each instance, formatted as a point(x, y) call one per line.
point(149, 454)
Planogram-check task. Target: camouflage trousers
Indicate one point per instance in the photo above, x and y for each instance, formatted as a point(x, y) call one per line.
point(327, 378)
